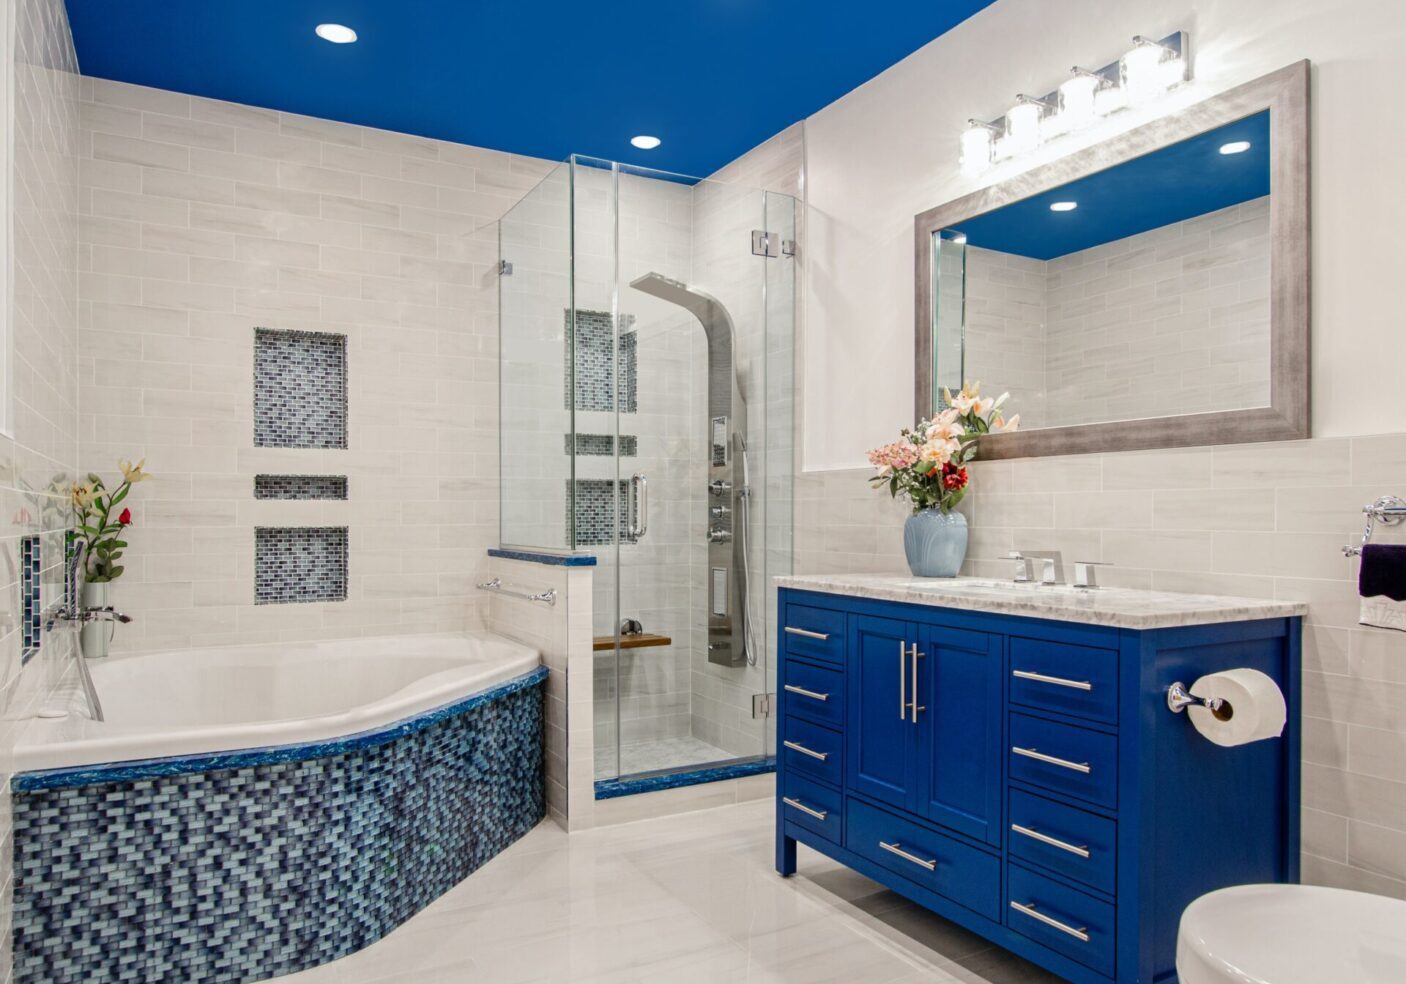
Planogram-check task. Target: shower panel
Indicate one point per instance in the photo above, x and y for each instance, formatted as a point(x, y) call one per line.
point(730, 639)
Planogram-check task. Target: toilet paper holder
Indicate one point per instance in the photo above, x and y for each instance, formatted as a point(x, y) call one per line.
point(1179, 699)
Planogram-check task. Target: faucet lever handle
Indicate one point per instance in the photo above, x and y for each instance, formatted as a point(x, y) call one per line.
point(1086, 572)
point(1022, 566)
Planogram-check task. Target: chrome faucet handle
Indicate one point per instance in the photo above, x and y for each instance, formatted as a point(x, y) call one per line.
point(1022, 567)
point(1086, 572)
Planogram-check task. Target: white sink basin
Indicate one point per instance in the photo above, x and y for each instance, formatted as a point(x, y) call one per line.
point(950, 584)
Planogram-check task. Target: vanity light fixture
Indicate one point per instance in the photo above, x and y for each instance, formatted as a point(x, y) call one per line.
point(1063, 206)
point(1144, 73)
point(645, 142)
point(336, 33)
point(1235, 147)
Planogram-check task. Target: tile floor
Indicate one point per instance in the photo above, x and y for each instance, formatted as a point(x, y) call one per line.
point(687, 899)
point(660, 753)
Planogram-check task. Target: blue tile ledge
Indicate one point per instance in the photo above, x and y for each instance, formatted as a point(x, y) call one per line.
point(89, 775)
point(611, 788)
point(540, 557)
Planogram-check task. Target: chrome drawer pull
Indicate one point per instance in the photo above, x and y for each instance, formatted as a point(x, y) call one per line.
point(1083, 852)
point(1030, 753)
point(805, 693)
point(1082, 935)
point(796, 747)
point(895, 849)
point(818, 814)
point(822, 636)
point(1057, 681)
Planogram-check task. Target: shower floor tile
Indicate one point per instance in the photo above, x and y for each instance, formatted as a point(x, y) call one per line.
point(656, 754)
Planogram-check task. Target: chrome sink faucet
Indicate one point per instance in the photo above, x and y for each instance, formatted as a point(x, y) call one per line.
point(1051, 566)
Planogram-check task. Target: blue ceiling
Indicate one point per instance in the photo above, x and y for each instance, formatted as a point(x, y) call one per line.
point(1169, 185)
point(712, 78)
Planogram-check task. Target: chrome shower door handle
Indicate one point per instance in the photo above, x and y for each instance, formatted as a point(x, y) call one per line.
point(639, 514)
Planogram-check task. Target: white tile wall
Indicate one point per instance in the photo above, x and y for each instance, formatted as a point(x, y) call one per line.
point(202, 220)
point(38, 462)
point(1263, 520)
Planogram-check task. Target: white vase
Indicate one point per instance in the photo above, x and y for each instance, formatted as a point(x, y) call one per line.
point(97, 636)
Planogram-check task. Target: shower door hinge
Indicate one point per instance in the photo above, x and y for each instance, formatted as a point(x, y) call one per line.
point(765, 244)
point(788, 247)
point(505, 268)
point(762, 705)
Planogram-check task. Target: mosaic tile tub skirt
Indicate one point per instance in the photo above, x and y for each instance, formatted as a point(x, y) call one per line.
point(263, 869)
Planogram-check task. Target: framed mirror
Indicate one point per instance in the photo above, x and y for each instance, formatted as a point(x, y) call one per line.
point(1151, 291)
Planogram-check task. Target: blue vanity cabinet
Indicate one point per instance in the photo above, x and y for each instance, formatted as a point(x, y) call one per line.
point(1024, 778)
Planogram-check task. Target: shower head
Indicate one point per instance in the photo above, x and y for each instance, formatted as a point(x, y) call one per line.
point(702, 305)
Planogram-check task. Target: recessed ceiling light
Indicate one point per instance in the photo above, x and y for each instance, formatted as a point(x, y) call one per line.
point(336, 33)
point(644, 142)
point(1063, 206)
point(1235, 147)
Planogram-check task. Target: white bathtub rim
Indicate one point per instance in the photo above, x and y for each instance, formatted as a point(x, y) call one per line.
point(44, 744)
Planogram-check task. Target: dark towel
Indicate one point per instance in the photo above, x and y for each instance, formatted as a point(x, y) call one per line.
point(1383, 571)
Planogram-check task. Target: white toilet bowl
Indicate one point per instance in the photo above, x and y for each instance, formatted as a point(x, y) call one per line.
point(1292, 934)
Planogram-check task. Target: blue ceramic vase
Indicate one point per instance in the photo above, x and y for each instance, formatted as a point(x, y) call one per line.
point(935, 542)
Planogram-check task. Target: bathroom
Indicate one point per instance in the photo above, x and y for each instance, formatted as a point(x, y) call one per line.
point(446, 539)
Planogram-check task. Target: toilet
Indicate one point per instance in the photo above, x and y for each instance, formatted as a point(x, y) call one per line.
point(1292, 934)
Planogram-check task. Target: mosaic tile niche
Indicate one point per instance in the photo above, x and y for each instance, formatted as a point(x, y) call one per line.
point(245, 873)
point(595, 388)
point(31, 565)
point(300, 389)
point(299, 564)
point(595, 517)
point(603, 444)
point(300, 486)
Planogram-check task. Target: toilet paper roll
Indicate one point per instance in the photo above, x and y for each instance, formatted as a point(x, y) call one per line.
point(1256, 707)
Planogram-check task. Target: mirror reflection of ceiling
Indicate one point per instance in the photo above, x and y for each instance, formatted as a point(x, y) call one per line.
point(1170, 185)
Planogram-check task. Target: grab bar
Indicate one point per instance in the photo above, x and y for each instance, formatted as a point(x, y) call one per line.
point(548, 597)
point(639, 513)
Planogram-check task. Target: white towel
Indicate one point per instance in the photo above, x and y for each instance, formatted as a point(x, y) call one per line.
point(1384, 613)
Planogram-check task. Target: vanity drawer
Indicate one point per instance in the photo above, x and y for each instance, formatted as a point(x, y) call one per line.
point(1064, 919)
point(965, 875)
point(816, 633)
point(1065, 679)
point(1064, 758)
point(1064, 839)
point(808, 748)
point(813, 806)
point(815, 692)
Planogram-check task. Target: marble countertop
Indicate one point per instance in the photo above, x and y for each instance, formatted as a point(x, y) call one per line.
point(1126, 608)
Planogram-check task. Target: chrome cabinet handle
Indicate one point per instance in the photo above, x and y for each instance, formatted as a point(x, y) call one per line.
point(818, 814)
point(1083, 852)
point(805, 693)
point(895, 849)
point(1057, 681)
point(806, 633)
point(1031, 753)
point(1082, 934)
point(915, 656)
point(639, 524)
point(902, 680)
point(797, 747)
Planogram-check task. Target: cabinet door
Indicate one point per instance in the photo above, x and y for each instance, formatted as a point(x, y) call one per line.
point(959, 732)
point(881, 740)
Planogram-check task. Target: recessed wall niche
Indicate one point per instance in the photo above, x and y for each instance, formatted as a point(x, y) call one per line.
point(31, 565)
point(295, 564)
point(300, 486)
point(595, 504)
point(594, 338)
point(300, 389)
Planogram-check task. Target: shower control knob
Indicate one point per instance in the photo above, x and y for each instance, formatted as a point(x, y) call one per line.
point(716, 535)
point(718, 487)
point(718, 512)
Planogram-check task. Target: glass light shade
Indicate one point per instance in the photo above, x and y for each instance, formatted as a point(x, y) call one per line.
point(976, 150)
point(1109, 100)
point(1076, 100)
point(1173, 71)
point(1143, 76)
point(1023, 127)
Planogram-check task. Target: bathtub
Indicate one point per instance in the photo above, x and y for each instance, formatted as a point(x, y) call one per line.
point(251, 811)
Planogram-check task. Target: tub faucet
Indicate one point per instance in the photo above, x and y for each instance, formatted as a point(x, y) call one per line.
point(69, 612)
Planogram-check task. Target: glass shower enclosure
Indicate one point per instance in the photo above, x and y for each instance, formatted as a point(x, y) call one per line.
point(646, 364)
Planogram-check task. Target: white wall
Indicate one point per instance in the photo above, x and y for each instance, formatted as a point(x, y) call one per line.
point(888, 150)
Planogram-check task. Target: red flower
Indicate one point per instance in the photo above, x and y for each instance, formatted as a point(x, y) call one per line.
point(953, 477)
point(126, 518)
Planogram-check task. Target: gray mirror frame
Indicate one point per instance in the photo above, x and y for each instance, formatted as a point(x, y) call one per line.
point(1286, 94)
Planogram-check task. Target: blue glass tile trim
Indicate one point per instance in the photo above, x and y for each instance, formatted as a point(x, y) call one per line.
point(533, 557)
point(241, 874)
point(611, 788)
point(138, 769)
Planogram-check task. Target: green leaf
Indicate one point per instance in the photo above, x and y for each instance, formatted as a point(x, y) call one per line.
point(115, 572)
point(121, 493)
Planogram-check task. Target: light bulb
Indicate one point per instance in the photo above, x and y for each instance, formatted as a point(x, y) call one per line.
point(1076, 100)
point(1143, 76)
point(1023, 127)
point(976, 149)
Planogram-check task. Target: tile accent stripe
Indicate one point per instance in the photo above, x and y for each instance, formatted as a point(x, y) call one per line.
point(240, 874)
point(31, 566)
point(611, 788)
